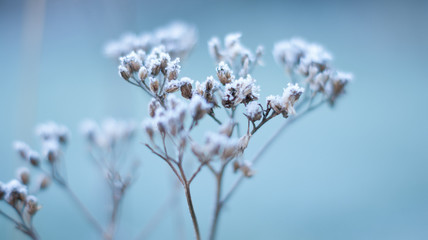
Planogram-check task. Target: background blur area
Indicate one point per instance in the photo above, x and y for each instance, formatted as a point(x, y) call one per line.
point(358, 171)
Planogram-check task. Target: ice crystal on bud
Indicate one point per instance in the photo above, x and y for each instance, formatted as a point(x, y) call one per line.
point(253, 111)
point(199, 107)
point(285, 104)
point(23, 175)
point(31, 206)
point(224, 74)
point(207, 89)
point(21, 148)
point(53, 131)
point(109, 133)
point(216, 144)
point(14, 191)
point(132, 61)
point(235, 54)
point(243, 90)
point(336, 86)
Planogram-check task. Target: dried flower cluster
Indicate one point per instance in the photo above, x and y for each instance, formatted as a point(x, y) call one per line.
point(178, 38)
point(168, 113)
point(151, 62)
point(313, 63)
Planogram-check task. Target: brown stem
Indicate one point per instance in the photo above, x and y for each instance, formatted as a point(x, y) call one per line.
point(218, 205)
point(186, 186)
point(192, 211)
point(85, 211)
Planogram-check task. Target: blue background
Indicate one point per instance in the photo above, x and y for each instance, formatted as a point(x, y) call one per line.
point(358, 171)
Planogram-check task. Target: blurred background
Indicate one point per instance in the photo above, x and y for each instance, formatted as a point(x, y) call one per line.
point(358, 171)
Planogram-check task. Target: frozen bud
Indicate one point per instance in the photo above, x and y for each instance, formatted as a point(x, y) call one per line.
point(199, 107)
point(22, 149)
point(198, 151)
point(141, 55)
point(51, 151)
point(224, 74)
point(154, 85)
point(246, 169)
point(162, 126)
point(253, 111)
point(154, 67)
point(89, 129)
point(236, 166)
point(229, 151)
point(14, 192)
point(243, 90)
point(214, 49)
point(34, 158)
point(148, 127)
point(259, 53)
point(43, 181)
point(173, 69)
point(124, 72)
point(31, 206)
point(186, 90)
point(243, 142)
point(164, 61)
point(132, 61)
point(23, 175)
point(63, 134)
point(142, 73)
point(336, 86)
point(285, 104)
point(232, 39)
point(153, 106)
point(172, 86)
point(227, 128)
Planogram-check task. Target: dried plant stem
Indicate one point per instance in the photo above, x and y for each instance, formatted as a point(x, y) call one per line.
point(113, 219)
point(182, 178)
point(83, 209)
point(22, 226)
point(218, 203)
point(157, 217)
point(186, 185)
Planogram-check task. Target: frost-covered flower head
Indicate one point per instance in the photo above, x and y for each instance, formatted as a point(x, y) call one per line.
point(23, 175)
point(178, 38)
point(336, 86)
point(51, 131)
point(216, 144)
point(207, 89)
point(285, 104)
point(298, 54)
point(14, 192)
point(108, 133)
point(242, 90)
point(168, 119)
point(253, 111)
point(235, 54)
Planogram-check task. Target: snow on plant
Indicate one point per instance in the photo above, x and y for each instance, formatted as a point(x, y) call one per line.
point(151, 62)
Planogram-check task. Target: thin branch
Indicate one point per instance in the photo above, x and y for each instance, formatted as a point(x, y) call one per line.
point(197, 171)
point(167, 160)
point(269, 143)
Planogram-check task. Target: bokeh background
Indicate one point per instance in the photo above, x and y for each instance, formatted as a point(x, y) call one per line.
point(358, 171)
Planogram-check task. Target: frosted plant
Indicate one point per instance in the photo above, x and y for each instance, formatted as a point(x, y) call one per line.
point(107, 144)
point(168, 128)
point(15, 193)
point(231, 100)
